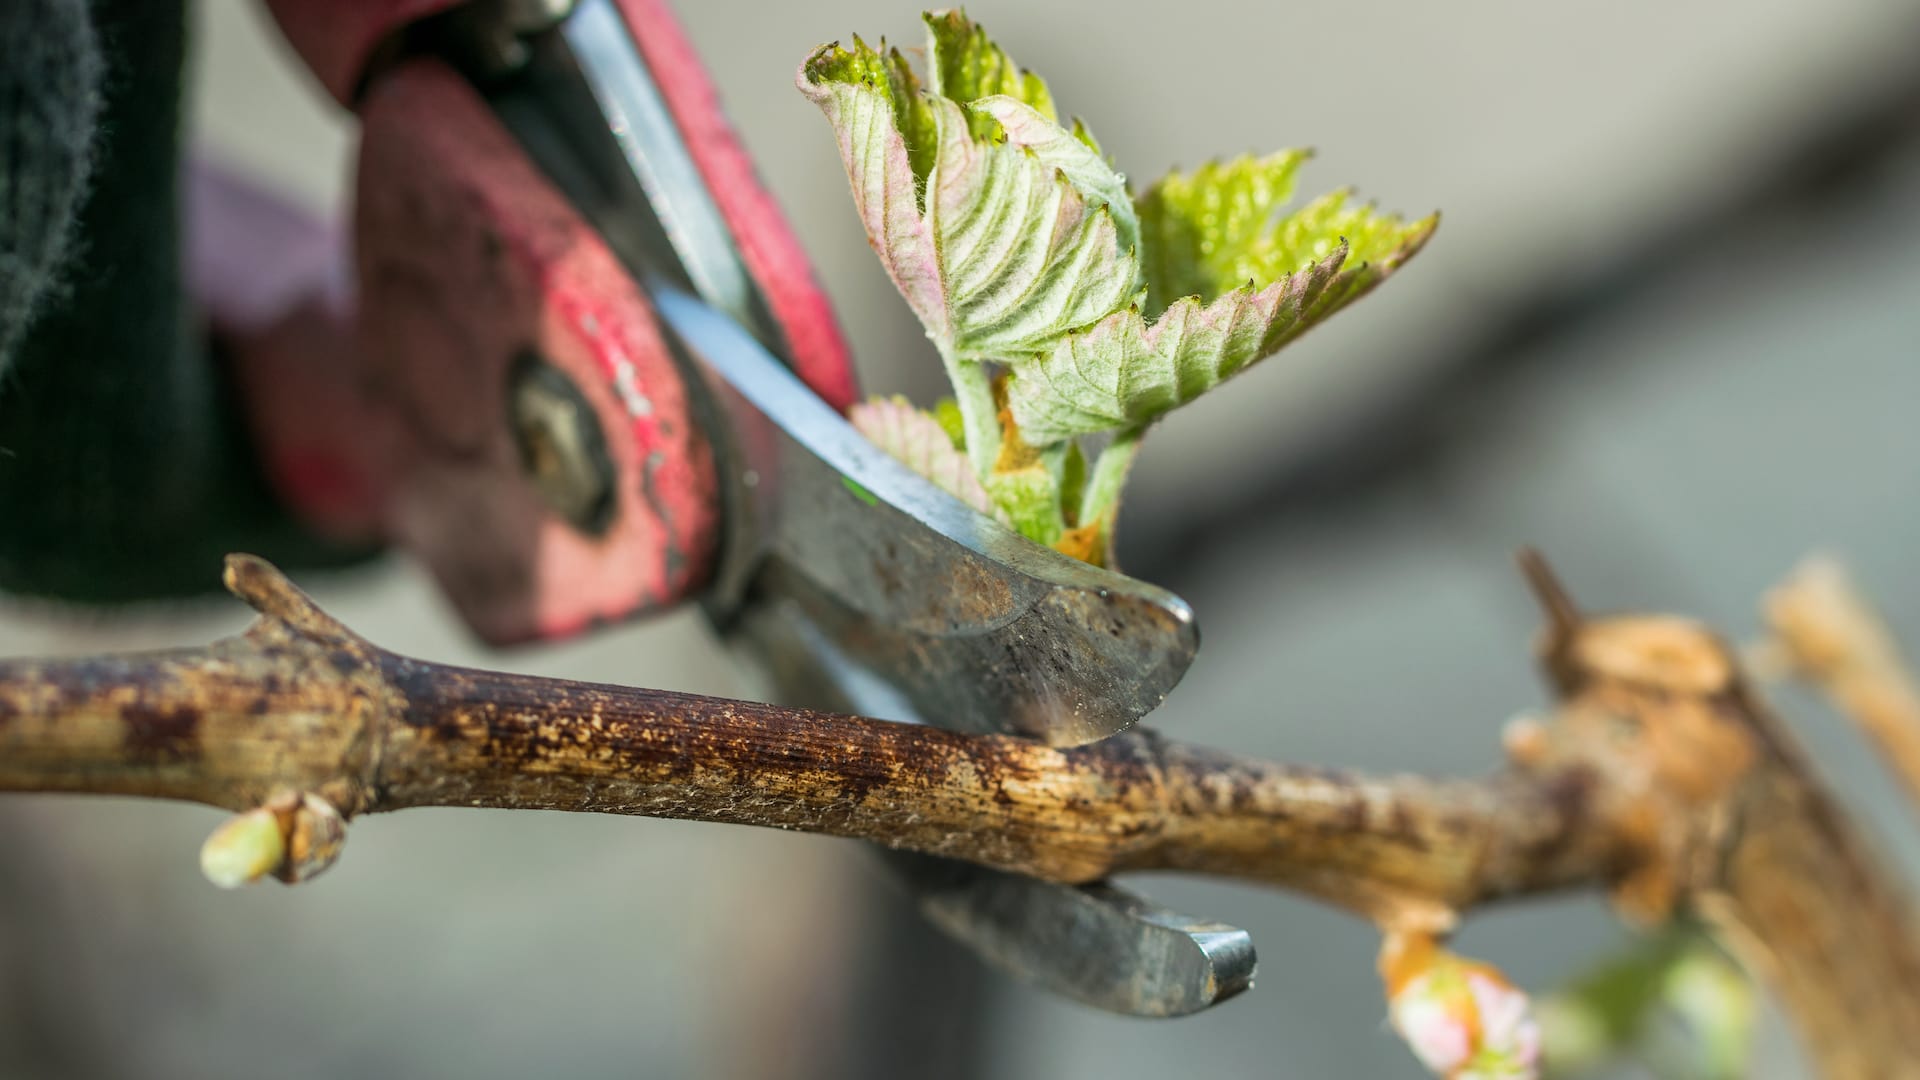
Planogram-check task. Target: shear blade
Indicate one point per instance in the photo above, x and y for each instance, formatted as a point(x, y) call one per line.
point(1097, 944)
point(862, 587)
point(980, 628)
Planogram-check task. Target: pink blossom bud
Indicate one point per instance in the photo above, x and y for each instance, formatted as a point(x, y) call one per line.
point(1462, 1019)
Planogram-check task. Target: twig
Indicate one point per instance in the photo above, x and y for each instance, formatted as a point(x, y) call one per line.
point(299, 703)
point(1831, 636)
point(1658, 775)
point(1728, 820)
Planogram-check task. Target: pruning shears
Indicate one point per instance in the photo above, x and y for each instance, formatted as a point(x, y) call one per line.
point(584, 372)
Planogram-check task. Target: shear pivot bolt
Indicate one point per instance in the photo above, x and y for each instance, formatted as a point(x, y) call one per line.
point(562, 448)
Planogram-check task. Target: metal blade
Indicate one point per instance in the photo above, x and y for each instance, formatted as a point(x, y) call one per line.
point(857, 585)
point(1098, 944)
point(636, 115)
point(980, 628)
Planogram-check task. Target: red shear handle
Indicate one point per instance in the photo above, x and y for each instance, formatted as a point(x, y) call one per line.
point(772, 253)
point(510, 412)
point(339, 38)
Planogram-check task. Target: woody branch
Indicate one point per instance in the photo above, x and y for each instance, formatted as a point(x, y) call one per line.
point(300, 703)
point(1658, 776)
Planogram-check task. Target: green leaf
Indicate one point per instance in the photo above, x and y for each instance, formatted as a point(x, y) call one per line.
point(1027, 259)
point(918, 441)
point(1210, 230)
point(1030, 498)
point(967, 66)
point(947, 412)
point(1019, 234)
point(1219, 225)
point(870, 101)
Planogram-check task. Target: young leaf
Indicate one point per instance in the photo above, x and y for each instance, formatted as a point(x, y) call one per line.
point(947, 412)
point(1211, 230)
point(1021, 232)
point(967, 66)
point(870, 100)
point(1030, 498)
point(1208, 231)
point(1025, 483)
point(918, 441)
point(1074, 155)
point(1021, 250)
point(1027, 256)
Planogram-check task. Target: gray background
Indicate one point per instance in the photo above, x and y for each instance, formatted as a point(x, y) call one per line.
point(1678, 442)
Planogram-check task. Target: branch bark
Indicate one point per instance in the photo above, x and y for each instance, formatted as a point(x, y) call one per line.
point(1659, 775)
point(300, 703)
point(1728, 820)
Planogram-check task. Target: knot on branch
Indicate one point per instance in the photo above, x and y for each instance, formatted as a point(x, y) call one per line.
point(287, 613)
point(1654, 710)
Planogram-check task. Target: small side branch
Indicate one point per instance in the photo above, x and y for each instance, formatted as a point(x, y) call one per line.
point(1727, 820)
point(1831, 636)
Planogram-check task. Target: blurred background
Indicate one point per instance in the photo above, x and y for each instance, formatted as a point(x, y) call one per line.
point(1669, 331)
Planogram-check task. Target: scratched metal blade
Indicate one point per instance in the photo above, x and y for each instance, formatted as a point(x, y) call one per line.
point(1098, 944)
point(859, 587)
point(980, 628)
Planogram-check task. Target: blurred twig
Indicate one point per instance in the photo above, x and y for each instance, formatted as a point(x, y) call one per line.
point(1828, 634)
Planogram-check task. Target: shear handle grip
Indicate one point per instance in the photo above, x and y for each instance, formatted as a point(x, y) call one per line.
point(341, 43)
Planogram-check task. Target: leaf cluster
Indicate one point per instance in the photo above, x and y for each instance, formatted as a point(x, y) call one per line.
point(1065, 306)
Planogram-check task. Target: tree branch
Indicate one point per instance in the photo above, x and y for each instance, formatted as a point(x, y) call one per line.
point(1727, 819)
point(300, 703)
point(1659, 775)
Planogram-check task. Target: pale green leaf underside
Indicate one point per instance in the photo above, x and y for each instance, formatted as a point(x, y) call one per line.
point(1071, 152)
point(1002, 242)
point(856, 89)
point(918, 441)
point(1026, 257)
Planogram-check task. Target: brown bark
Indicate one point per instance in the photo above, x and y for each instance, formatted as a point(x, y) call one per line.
point(300, 703)
point(1725, 818)
point(1659, 775)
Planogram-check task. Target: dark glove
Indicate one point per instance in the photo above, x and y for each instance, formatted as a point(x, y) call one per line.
point(124, 472)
